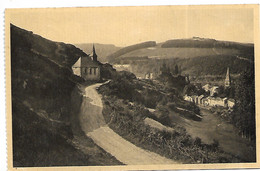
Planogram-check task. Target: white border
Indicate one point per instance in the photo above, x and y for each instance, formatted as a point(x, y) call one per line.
point(73, 3)
point(77, 3)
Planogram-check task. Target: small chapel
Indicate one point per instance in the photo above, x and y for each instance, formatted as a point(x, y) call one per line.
point(88, 67)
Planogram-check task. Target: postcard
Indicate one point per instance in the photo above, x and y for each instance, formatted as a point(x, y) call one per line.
point(132, 88)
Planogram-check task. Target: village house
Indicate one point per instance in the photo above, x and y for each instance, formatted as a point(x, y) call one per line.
point(200, 99)
point(87, 68)
point(123, 67)
point(214, 90)
point(217, 101)
point(149, 75)
point(205, 102)
point(206, 87)
point(231, 103)
point(195, 99)
point(188, 98)
point(210, 101)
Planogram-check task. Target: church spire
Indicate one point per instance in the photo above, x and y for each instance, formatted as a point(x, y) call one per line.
point(94, 54)
point(227, 80)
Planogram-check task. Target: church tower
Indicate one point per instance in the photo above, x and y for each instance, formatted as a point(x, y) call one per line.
point(94, 54)
point(227, 80)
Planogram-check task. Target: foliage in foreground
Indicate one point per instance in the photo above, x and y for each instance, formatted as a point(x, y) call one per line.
point(243, 115)
point(125, 114)
point(128, 121)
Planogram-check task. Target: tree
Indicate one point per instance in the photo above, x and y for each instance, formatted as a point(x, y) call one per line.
point(243, 115)
point(221, 91)
point(163, 68)
point(176, 71)
point(168, 70)
point(201, 91)
point(230, 91)
point(190, 89)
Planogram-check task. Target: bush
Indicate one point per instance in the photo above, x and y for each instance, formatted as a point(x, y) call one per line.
point(127, 121)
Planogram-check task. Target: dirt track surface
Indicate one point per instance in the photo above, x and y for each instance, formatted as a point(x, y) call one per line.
point(91, 116)
point(93, 124)
point(123, 150)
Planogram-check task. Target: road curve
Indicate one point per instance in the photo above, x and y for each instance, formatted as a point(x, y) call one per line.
point(93, 124)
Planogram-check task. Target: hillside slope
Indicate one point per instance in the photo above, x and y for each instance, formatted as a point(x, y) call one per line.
point(128, 49)
point(197, 57)
point(189, 48)
point(42, 84)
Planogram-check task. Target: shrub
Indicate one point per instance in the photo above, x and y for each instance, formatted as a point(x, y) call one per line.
point(127, 121)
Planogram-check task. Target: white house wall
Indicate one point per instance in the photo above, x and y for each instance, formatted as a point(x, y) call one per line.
point(90, 75)
point(76, 71)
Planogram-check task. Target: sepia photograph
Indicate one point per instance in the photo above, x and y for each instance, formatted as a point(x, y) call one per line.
point(138, 86)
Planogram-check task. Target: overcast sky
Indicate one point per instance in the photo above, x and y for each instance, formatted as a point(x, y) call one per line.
point(124, 26)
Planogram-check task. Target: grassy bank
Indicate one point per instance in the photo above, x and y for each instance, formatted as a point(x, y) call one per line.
point(40, 142)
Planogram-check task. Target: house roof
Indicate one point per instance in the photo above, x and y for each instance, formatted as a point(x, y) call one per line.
point(201, 96)
point(214, 98)
point(88, 62)
point(194, 96)
point(218, 98)
point(206, 86)
point(214, 88)
point(85, 61)
point(232, 100)
point(77, 64)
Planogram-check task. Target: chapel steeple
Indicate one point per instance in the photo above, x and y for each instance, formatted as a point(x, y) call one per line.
point(227, 80)
point(94, 54)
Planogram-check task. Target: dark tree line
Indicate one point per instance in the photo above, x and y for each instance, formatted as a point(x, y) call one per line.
point(243, 115)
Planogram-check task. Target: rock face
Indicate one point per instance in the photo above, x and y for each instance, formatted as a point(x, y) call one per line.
point(42, 82)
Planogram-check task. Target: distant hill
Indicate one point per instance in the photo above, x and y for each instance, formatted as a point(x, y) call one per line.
point(102, 50)
point(131, 48)
point(212, 65)
point(188, 48)
point(197, 57)
point(197, 42)
point(195, 66)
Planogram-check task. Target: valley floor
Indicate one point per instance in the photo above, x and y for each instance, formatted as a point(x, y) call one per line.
point(211, 128)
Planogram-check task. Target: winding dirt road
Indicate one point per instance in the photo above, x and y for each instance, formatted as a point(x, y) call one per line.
point(93, 124)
